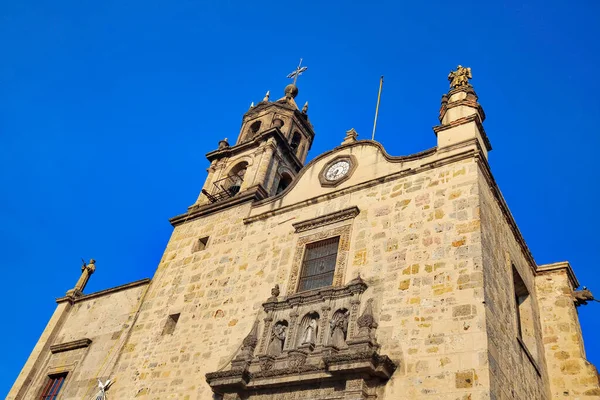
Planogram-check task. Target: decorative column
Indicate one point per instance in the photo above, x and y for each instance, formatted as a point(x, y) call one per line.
point(266, 335)
point(324, 321)
point(86, 272)
point(354, 307)
point(290, 343)
point(262, 169)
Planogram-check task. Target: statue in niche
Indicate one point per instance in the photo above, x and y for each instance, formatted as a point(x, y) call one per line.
point(310, 331)
point(339, 328)
point(278, 334)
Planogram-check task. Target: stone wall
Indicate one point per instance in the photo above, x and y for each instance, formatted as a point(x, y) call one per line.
point(88, 343)
point(517, 367)
point(431, 240)
point(571, 375)
point(415, 242)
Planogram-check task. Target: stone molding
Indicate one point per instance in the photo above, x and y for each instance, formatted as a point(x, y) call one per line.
point(327, 219)
point(484, 167)
point(253, 193)
point(393, 159)
point(75, 344)
point(563, 265)
point(342, 157)
point(470, 153)
point(354, 288)
point(273, 132)
point(101, 293)
point(465, 120)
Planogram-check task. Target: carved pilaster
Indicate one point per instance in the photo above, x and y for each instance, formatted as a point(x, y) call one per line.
point(323, 324)
point(354, 307)
point(290, 343)
point(266, 334)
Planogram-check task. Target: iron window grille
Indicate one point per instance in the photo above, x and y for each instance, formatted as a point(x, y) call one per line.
point(318, 265)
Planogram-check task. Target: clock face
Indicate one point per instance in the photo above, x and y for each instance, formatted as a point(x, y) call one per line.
point(337, 170)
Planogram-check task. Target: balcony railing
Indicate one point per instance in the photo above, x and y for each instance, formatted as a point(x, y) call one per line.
point(225, 188)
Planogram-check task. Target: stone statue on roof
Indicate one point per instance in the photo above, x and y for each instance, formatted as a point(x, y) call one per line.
point(460, 77)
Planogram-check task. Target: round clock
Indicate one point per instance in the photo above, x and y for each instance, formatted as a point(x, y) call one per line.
point(337, 170)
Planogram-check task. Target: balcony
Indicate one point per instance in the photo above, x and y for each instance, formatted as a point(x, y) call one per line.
point(225, 188)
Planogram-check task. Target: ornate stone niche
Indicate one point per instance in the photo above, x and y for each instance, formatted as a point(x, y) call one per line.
point(316, 345)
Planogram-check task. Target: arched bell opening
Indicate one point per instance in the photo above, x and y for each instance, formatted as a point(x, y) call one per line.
point(235, 178)
point(295, 143)
point(284, 181)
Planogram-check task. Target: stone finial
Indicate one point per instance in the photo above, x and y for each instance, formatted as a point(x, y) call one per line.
point(581, 297)
point(250, 341)
point(351, 136)
point(223, 144)
point(305, 108)
point(266, 98)
point(291, 91)
point(274, 293)
point(252, 105)
point(366, 321)
point(356, 280)
point(460, 77)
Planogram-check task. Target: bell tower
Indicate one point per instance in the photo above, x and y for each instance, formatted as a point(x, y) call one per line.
point(270, 149)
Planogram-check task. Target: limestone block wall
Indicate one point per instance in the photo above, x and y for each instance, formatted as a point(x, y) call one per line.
point(416, 242)
point(513, 374)
point(106, 321)
point(571, 375)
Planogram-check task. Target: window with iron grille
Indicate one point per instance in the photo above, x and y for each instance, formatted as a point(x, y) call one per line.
point(53, 386)
point(318, 265)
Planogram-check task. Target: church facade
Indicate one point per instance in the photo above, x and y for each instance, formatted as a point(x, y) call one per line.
point(357, 276)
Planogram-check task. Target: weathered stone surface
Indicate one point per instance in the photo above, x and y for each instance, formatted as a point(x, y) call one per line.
point(430, 235)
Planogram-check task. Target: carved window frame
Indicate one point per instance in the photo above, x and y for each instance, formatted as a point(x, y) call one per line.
point(341, 261)
point(67, 370)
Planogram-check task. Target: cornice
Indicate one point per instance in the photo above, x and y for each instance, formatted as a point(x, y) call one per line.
point(465, 120)
point(564, 266)
point(328, 219)
point(470, 153)
point(74, 345)
point(392, 159)
point(251, 194)
point(105, 292)
point(256, 142)
point(487, 174)
point(299, 116)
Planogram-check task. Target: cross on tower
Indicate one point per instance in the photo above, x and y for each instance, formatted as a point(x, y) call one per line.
point(297, 72)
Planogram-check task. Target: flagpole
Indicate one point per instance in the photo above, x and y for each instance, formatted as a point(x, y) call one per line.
point(377, 108)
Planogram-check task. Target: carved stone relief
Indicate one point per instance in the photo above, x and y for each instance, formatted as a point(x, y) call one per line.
point(307, 337)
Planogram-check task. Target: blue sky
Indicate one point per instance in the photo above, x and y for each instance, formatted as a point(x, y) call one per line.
point(107, 109)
